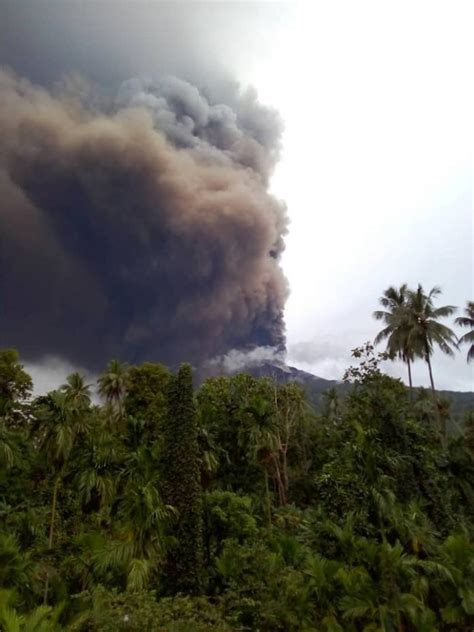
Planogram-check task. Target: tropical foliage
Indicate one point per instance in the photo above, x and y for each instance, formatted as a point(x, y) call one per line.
point(468, 322)
point(413, 330)
point(236, 506)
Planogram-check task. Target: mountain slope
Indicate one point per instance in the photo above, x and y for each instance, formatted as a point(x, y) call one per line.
point(315, 386)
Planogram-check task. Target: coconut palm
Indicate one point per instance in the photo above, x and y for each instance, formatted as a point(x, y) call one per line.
point(426, 332)
point(396, 318)
point(113, 384)
point(468, 321)
point(77, 391)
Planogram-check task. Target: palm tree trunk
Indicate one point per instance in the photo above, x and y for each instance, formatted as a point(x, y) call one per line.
point(285, 472)
point(279, 481)
point(381, 526)
point(441, 429)
point(409, 378)
point(268, 502)
point(51, 530)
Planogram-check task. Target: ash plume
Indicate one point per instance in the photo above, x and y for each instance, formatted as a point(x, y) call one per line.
point(236, 360)
point(144, 230)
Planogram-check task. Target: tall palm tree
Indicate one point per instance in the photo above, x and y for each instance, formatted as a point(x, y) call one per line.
point(113, 384)
point(426, 332)
point(77, 391)
point(468, 321)
point(396, 318)
point(262, 442)
point(63, 417)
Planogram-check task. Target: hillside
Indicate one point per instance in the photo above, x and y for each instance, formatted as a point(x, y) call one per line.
point(315, 387)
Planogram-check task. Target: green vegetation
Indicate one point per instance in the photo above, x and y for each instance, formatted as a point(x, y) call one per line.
point(397, 330)
point(413, 331)
point(237, 506)
point(468, 321)
point(182, 486)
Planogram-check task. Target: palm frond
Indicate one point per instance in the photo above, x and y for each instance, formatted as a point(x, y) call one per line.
point(465, 321)
point(138, 574)
point(11, 621)
point(434, 292)
point(382, 335)
point(443, 312)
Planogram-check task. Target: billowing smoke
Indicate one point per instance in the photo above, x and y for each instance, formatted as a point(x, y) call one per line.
point(236, 361)
point(143, 230)
point(243, 133)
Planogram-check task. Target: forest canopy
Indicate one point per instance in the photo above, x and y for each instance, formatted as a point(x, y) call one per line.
point(233, 506)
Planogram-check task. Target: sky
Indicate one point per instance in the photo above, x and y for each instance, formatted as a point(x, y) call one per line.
point(376, 170)
point(376, 164)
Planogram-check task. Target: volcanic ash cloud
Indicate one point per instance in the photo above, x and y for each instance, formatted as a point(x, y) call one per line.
point(141, 231)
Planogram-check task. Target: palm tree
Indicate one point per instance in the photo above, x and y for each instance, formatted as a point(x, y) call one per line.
point(17, 569)
point(64, 416)
point(113, 384)
point(135, 546)
point(260, 437)
point(41, 619)
point(77, 392)
point(98, 465)
point(468, 321)
point(426, 332)
point(396, 319)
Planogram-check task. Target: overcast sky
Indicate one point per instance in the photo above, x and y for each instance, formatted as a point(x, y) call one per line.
point(376, 167)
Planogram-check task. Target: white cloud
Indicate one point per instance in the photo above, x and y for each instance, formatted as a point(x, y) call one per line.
point(237, 360)
point(51, 372)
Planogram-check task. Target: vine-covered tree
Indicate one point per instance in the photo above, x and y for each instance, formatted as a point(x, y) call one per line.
point(182, 485)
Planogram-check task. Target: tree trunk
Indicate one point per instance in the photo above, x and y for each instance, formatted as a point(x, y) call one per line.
point(285, 472)
point(267, 500)
point(51, 531)
point(381, 526)
point(409, 378)
point(441, 429)
point(279, 481)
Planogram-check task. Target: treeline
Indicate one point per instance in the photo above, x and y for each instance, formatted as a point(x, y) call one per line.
point(233, 507)
point(413, 330)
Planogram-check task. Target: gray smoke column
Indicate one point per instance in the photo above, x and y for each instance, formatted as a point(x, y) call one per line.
point(141, 230)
